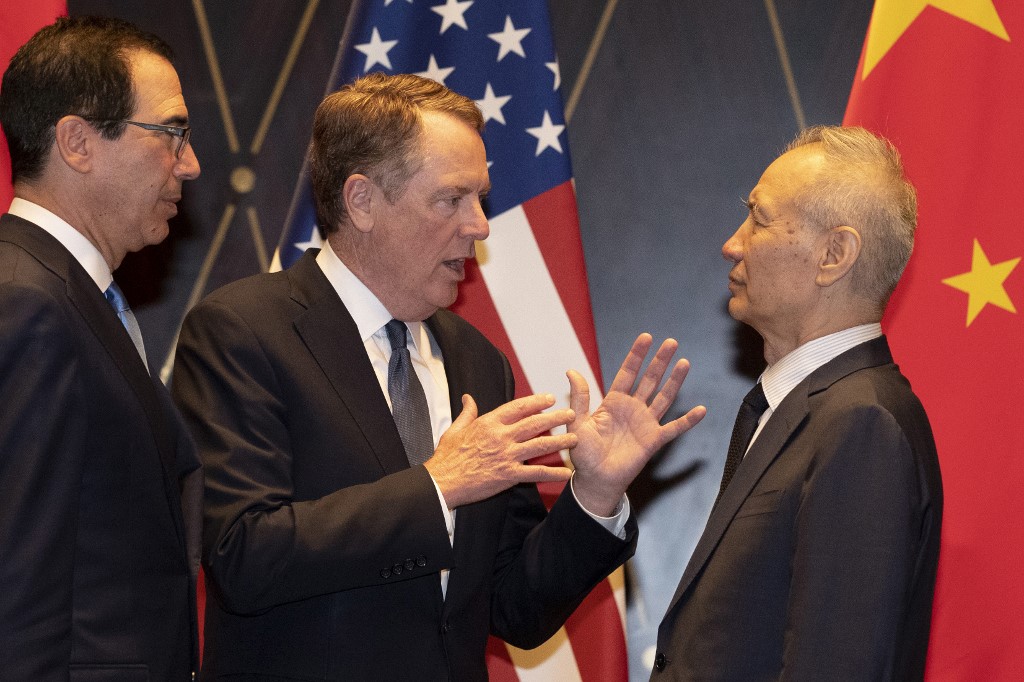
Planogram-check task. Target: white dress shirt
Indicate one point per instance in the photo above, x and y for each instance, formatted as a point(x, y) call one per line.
point(71, 239)
point(779, 379)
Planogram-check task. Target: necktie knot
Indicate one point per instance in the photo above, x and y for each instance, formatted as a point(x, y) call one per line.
point(397, 334)
point(116, 298)
point(756, 399)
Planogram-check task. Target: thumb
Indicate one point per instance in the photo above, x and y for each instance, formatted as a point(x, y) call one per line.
point(579, 395)
point(468, 414)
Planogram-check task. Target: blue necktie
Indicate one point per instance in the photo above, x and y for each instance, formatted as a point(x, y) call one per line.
point(408, 402)
point(116, 298)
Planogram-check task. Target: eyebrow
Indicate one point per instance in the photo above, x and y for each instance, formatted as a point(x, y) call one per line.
point(755, 209)
point(461, 190)
point(177, 121)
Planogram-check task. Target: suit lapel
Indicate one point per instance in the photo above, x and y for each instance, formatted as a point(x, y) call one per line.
point(783, 422)
point(456, 369)
point(331, 335)
point(87, 299)
point(470, 519)
point(769, 446)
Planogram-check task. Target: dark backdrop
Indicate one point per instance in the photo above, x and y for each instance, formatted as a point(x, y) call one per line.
point(684, 104)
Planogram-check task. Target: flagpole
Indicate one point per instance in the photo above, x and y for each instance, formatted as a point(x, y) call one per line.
point(332, 85)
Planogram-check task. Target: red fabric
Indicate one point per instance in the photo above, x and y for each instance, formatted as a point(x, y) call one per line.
point(948, 94)
point(555, 222)
point(18, 22)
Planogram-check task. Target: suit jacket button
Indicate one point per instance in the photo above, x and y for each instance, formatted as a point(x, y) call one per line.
point(397, 569)
point(421, 561)
point(445, 627)
point(659, 662)
point(385, 573)
point(409, 564)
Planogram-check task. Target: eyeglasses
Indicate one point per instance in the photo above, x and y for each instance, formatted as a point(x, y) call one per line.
point(182, 133)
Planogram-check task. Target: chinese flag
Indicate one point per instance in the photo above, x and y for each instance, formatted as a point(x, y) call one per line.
point(18, 22)
point(945, 82)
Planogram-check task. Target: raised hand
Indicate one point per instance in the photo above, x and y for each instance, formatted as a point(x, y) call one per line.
point(478, 457)
point(617, 439)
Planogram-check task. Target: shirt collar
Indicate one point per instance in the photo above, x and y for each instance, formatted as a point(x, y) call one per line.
point(366, 310)
point(83, 250)
point(782, 377)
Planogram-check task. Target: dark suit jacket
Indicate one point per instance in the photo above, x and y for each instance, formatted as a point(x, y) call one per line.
point(818, 563)
point(321, 545)
point(95, 581)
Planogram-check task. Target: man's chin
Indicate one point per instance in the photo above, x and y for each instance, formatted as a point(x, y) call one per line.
point(736, 309)
point(156, 234)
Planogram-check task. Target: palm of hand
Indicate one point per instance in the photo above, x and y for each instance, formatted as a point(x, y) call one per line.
point(617, 437)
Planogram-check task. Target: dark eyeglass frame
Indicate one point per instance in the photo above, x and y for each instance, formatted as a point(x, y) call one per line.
point(183, 133)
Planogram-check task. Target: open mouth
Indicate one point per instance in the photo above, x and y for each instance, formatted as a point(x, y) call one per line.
point(457, 265)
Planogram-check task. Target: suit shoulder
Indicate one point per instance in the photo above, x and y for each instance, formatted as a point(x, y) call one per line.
point(250, 295)
point(20, 267)
point(31, 297)
point(883, 386)
point(448, 323)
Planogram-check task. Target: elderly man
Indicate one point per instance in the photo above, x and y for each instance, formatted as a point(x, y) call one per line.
point(94, 554)
point(353, 529)
point(818, 560)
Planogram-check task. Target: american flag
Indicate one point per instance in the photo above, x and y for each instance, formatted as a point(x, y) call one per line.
point(528, 291)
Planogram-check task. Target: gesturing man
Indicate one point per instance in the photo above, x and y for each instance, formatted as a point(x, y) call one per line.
point(353, 529)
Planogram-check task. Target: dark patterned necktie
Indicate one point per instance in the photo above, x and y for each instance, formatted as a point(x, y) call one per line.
point(754, 405)
point(115, 297)
point(408, 402)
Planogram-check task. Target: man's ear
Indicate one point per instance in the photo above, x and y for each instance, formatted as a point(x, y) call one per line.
point(358, 195)
point(75, 141)
point(842, 249)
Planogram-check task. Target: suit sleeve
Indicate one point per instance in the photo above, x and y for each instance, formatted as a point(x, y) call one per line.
point(41, 460)
point(262, 546)
point(546, 569)
point(857, 549)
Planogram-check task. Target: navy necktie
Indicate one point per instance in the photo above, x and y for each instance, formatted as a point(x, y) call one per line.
point(754, 405)
point(408, 402)
point(116, 298)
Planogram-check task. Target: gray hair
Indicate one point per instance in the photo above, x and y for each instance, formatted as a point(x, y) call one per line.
point(863, 185)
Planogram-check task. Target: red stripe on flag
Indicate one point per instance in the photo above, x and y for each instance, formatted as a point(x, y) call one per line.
point(19, 22)
point(555, 223)
point(595, 624)
point(476, 305)
point(499, 664)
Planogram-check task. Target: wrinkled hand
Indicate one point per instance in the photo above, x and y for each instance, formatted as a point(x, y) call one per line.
point(624, 432)
point(478, 457)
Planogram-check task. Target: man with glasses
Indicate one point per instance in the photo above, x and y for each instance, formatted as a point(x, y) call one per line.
point(98, 479)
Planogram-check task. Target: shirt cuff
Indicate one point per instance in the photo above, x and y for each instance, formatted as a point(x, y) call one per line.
point(614, 524)
point(449, 516)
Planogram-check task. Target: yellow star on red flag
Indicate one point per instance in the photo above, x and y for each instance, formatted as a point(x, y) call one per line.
point(891, 18)
point(984, 283)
